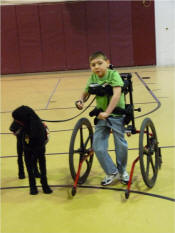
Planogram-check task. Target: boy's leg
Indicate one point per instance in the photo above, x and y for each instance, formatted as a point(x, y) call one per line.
point(121, 145)
point(100, 146)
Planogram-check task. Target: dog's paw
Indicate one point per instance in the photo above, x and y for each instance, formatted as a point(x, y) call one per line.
point(33, 191)
point(47, 190)
point(21, 176)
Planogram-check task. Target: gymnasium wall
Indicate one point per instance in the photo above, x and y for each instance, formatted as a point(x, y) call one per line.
point(61, 36)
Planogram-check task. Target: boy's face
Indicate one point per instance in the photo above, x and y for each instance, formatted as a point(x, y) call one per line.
point(99, 66)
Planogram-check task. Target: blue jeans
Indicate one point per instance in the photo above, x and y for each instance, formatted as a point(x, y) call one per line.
point(100, 145)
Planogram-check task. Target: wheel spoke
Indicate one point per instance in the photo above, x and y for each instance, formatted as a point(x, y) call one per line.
point(87, 162)
point(78, 151)
point(152, 164)
point(147, 166)
point(87, 140)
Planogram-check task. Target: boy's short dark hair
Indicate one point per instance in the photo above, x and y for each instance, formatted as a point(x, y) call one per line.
point(97, 54)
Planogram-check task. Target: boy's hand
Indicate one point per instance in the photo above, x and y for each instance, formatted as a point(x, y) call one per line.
point(79, 104)
point(103, 115)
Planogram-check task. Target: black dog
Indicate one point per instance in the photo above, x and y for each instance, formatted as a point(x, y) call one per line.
point(34, 138)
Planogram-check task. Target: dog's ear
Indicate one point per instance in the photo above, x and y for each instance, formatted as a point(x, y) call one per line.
point(34, 126)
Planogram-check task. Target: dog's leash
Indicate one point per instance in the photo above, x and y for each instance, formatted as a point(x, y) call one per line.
point(69, 119)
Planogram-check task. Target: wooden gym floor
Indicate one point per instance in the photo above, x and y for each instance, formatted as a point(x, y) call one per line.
point(92, 210)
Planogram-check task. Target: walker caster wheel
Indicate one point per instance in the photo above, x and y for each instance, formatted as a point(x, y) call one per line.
point(127, 194)
point(74, 191)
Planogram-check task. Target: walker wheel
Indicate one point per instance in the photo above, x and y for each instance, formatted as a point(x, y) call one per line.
point(80, 146)
point(148, 152)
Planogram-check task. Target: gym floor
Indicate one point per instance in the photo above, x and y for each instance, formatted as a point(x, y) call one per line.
point(93, 209)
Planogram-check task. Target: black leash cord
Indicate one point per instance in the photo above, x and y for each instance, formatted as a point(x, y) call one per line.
point(69, 119)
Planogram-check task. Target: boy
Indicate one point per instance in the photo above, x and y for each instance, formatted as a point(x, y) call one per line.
point(102, 75)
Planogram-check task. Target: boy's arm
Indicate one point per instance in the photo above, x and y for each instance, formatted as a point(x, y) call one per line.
point(84, 97)
point(112, 104)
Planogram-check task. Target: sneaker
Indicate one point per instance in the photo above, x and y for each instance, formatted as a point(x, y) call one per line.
point(124, 178)
point(110, 179)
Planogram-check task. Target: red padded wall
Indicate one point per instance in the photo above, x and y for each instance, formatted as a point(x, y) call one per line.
point(52, 37)
point(10, 62)
point(120, 27)
point(143, 33)
point(75, 35)
point(97, 27)
point(29, 38)
point(61, 36)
